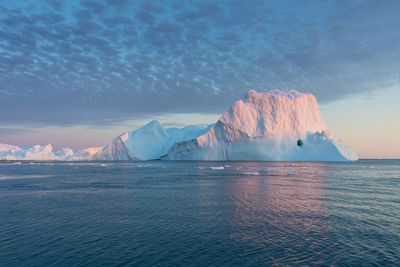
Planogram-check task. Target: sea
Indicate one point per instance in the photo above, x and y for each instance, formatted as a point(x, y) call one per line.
point(196, 213)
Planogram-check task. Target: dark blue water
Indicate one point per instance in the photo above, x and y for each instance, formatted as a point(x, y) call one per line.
point(200, 213)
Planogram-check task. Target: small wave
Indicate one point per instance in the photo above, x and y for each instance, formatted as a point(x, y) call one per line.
point(46, 164)
point(143, 165)
point(17, 163)
point(6, 177)
point(251, 173)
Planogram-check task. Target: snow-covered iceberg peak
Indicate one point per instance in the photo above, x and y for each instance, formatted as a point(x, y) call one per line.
point(277, 112)
point(289, 93)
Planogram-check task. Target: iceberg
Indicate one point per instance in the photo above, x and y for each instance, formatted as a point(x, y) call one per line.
point(278, 125)
point(150, 142)
point(85, 154)
point(39, 152)
point(36, 152)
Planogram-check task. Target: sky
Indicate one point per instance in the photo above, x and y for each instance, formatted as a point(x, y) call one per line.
point(77, 73)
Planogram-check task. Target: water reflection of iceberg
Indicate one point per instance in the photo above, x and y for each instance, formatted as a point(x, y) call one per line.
point(281, 213)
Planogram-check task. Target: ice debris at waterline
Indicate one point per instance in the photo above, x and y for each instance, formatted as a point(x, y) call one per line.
point(279, 125)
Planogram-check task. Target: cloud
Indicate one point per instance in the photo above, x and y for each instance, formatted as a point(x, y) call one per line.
point(103, 62)
point(55, 4)
point(118, 3)
point(151, 7)
point(145, 17)
point(6, 131)
point(93, 6)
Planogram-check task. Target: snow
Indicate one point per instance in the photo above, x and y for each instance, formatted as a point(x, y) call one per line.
point(287, 93)
point(261, 126)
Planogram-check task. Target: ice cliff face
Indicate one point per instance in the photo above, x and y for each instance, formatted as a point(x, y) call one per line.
point(276, 125)
point(277, 112)
point(147, 143)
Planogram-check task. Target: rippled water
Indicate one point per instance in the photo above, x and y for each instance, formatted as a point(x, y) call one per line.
point(200, 213)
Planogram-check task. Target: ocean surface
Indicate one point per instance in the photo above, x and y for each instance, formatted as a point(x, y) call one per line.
point(160, 213)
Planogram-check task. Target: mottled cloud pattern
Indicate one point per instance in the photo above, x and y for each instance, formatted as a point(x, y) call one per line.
point(98, 62)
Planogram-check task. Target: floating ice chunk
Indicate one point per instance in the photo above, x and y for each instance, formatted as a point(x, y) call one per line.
point(217, 168)
point(143, 165)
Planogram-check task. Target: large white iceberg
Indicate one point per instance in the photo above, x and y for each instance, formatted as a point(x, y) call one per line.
point(282, 125)
point(279, 125)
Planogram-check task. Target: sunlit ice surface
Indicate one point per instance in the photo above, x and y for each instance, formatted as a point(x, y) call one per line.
point(200, 213)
